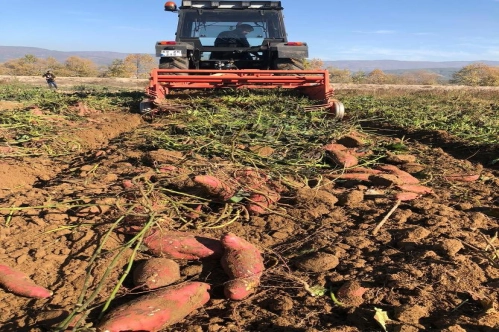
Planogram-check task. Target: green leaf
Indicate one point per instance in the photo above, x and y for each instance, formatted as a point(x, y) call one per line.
point(236, 199)
point(318, 290)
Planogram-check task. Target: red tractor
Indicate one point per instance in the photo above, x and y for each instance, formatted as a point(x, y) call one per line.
point(234, 44)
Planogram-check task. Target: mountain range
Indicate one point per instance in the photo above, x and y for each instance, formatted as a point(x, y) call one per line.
point(106, 58)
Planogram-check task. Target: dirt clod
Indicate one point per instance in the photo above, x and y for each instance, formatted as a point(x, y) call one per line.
point(317, 262)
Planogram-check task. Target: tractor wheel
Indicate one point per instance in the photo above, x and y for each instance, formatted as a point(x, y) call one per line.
point(289, 64)
point(173, 63)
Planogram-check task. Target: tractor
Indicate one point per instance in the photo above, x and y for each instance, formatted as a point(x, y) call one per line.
point(234, 44)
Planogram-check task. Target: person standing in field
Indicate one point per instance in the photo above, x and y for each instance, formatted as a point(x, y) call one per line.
point(50, 77)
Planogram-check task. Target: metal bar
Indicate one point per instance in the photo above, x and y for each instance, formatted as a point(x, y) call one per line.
point(314, 83)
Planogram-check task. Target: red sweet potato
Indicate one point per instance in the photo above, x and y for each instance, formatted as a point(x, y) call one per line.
point(463, 177)
point(127, 184)
point(239, 289)
point(361, 169)
point(340, 157)
point(251, 178)
point(156, 272)
point(20, 284)
point(335, 146)
point(351, 176)
point(415, 188)
point(156, 310)
point(182, 245)
point(359, 153)
point(403, 175)
point(259, 203)
point(243, 262)
point(215, 186)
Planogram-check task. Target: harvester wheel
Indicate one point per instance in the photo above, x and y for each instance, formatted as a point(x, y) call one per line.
point(173, 63)
point(289, 64)
point(338, 109)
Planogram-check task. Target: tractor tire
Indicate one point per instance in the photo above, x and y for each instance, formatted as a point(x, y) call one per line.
point(289, 64)
point(173, 63)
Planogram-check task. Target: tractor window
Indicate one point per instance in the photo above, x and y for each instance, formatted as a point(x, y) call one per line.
point(207, 25)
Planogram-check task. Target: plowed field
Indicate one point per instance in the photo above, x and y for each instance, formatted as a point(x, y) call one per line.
point(338, 248)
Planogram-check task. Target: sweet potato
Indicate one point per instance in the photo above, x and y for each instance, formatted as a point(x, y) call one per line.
point(156, 310)
point(359, 153)
point(156, 272)
point(403, 175)
point(20, 284)
point(259, 203)
point(350, 176)
point(127, 184)
point(335, 146)
point(463, 177)
point(215, 186)
point(239, 289)
point(415, 188)
point(385, 180)
point(182, 245)
point(251, 178)
point(340, 156)
point(243, 262)
point(361, 169)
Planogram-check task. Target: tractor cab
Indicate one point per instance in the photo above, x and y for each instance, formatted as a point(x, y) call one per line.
point(208, 32)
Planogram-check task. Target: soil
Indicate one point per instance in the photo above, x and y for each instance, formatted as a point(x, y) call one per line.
point(430, 267)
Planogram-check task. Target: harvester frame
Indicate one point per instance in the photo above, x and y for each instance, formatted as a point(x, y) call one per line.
point(192, 61)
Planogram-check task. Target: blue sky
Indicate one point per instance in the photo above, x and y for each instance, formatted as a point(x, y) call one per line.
point(417, 30)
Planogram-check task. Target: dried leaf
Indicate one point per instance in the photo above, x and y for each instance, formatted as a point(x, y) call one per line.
point(381, 317)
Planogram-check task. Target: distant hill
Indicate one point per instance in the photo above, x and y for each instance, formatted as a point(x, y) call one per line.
point(385, 65)
point(445, 68)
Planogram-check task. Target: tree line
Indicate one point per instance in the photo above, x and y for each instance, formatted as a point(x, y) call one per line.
point(476, 74)
point(140, 65)
point(133, 66)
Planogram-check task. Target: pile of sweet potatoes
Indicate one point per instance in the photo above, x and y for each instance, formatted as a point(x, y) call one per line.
point(241, 260)
point(164, 306)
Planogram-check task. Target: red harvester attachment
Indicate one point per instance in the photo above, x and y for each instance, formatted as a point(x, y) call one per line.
point(313, 83)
